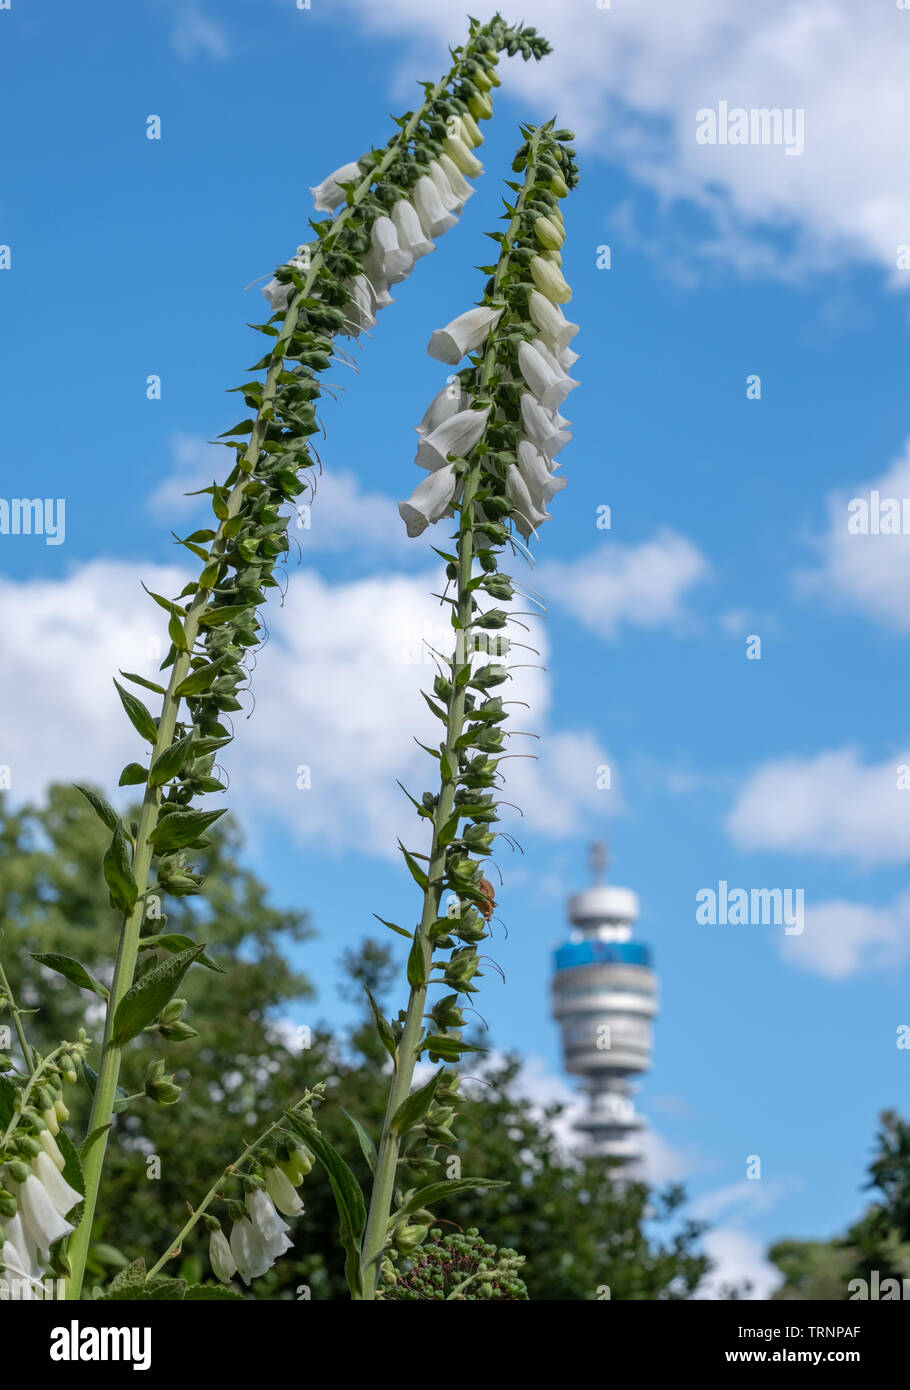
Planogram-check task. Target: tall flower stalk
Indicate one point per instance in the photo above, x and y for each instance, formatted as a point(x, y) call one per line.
point(391, 203)
point(502, 410)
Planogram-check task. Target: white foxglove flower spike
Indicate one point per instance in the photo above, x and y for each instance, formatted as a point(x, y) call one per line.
point(434, 218)
point(446, 403)
point(410, 233)
point(541, 426)
point(550, 387)
point(457, 435)
point(395, 264)
point(429, 501)
point(328, 195)
point(463, 335)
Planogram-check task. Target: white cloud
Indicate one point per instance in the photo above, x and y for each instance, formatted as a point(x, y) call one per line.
point(337, 688)
point(739, 1259)
point(194, 32)
point(196, 464)
point(869, 573)
point(641, 584)
point(630, 80)
point(831, 804)
point(842, 939)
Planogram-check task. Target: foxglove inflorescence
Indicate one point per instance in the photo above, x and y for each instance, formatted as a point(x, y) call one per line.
point(488, 443)
point(36, 1199)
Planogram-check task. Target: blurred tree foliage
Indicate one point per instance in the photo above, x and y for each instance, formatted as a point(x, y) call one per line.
point(582, 1232)
point(878, 1241)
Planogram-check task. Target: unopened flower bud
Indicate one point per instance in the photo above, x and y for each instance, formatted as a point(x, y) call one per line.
point(61, 1111)
point(224, 1266)
point(172, 1011)
point(407, 1238)
point(177, 1032)
point(18, 1170)
point(8, 1205)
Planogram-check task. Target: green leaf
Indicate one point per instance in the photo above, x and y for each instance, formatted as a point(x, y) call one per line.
point(142, 1004)
point(196, 1293)
point(132, 775)
point(181, 828)
point(167, 604)
point(417, 873)
point(91, 1140)
point(140, 680)
point(216, 616)
point(416, 965)
point(101, 808)
point(169, 763)
point(392, 926)
point(200, 679)
point(413, 1108)
point(72, 970)
point(138, 715)
point(72, 1173)
point(118, 873)
point(352, 1212)
point(91, 1077)
point(176, 941)
point(8, 1094)
point(367, 1147)
point(176, 633)
point(386, 1036)
point(438, 1191)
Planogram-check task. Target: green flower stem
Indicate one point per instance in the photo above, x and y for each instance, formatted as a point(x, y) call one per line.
point(109, 1070)
point(17, 1019)
point(387, 1160)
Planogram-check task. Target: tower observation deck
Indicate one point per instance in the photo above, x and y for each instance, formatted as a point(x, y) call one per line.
point(605, 1002)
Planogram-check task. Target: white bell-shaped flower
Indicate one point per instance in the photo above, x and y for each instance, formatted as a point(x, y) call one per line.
point(434, 217)
point(358, 311)
point(328, 195)
point(42, 1223)
point(411, 236)
point(457, 435)
point(15, 1233)
point(448, 402)
point(395, 264)
point(282, 1192)
point(55, 1185)
point(248, 1250)
point(534, 469)
point(526, 516)
point(555, 329)
point(463, 335)
point(457, 181)
point(52, 1149)
point(462, 156)
point(268, 1225)
point(549, 386)
point(449, 199)
point(221, 1257)
point(542, 427)
point(279, 294)
point(548, 278)
point(429, 501)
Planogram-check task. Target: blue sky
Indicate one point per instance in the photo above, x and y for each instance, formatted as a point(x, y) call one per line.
point(129, 257)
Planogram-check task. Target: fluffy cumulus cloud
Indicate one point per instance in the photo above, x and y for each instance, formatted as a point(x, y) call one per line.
point(842, 939)
point(337, 692)
point(631, 79)
point(832, 804)
point(860, 567)
point(642, 585)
